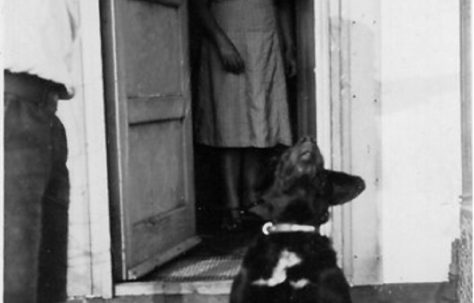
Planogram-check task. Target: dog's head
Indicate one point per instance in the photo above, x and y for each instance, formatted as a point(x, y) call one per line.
point(303, 189)
point(299, 166)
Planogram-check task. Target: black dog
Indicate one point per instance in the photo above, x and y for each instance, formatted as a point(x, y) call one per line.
point(290, 261)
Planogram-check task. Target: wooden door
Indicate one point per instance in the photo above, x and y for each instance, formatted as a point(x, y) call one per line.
point(149, 129)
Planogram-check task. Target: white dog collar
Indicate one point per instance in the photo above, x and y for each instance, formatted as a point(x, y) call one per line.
point(270, 228)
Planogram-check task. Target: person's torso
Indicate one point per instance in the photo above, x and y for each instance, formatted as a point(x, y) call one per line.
point(39, 38)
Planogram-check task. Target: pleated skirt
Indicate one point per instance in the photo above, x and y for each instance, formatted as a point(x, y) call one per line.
point(248, 109)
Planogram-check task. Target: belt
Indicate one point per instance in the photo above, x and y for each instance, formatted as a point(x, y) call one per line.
point(32, 88)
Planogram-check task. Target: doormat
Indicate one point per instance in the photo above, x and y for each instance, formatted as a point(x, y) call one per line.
point(202, 268)
point(217, 258)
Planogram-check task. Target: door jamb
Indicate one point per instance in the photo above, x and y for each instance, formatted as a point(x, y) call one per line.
point(116, 133)
point(99, 224)
point(322, 61)
point(305, 60)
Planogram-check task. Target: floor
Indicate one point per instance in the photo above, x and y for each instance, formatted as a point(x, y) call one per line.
point(217, 258)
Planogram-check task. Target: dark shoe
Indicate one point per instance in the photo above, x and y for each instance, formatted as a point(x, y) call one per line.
point(248, 216)
point(251, 214)
point(231, 220)
point(251, 205)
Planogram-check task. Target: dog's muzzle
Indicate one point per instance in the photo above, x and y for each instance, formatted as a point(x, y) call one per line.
point(270, 228)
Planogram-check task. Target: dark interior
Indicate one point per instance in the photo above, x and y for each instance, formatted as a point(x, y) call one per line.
point(207, 180)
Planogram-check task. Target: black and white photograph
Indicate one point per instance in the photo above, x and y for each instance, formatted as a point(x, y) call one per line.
point(236, 151)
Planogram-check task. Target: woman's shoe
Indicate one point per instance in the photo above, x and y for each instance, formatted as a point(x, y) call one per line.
point(231, 220)
point(251, 205)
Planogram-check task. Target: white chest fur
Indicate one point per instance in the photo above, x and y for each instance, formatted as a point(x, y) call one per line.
point(287, 260)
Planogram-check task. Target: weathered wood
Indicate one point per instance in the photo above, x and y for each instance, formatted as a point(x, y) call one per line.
point(162, 257)
point(151, 151)
point(89, 258)
point(98, 206)
point(347, 124)
point(117, 135)
point(156, 108)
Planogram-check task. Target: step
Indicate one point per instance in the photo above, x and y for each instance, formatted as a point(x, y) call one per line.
point(218, 292)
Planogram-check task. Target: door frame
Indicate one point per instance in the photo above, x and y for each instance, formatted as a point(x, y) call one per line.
point(317, 84)
point(323, 53)
point(89, 258)
point(305, 60)
point(116, 120)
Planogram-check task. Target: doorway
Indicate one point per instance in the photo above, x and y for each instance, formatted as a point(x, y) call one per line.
point(160, 182)
point(219, 254)
point(301, 96)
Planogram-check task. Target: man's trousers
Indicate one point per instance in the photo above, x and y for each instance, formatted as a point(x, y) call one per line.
point(36, 193)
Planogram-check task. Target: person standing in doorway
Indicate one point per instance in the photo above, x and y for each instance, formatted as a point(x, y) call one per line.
point(242, 108)
point(39, 41)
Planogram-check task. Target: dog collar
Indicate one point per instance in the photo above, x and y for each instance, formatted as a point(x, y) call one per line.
point(270, 228)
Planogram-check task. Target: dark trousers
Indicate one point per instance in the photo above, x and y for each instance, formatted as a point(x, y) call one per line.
point(36, 193)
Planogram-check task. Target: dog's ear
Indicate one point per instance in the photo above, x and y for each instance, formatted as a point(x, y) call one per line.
point(344, 187)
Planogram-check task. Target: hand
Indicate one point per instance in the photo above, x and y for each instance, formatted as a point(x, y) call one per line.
point(230, 57)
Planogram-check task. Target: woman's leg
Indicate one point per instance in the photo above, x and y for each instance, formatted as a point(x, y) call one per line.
point(230, 159)
point(251, 170)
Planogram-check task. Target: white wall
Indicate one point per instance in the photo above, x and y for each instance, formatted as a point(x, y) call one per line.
point(420, 138)
point(395, 121)
point(89, 257)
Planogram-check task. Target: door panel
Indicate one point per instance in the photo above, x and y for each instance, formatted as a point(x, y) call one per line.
point(162, 152)
point(156, 108)
point(149, 123)
point(153, 50)
point(165, 244)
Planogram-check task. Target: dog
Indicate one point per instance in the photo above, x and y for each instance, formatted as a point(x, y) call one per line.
point(290, 261)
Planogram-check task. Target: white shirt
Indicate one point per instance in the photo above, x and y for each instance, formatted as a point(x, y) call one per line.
point(39, 38)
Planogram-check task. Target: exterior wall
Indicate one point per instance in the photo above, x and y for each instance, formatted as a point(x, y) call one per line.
point(464, 290)
point(89, 265)
point(460, 271)
point(464, 257)
point(395, 104)
point(420, 132)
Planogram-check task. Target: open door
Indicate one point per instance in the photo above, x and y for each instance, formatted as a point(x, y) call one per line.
point(149, 133)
